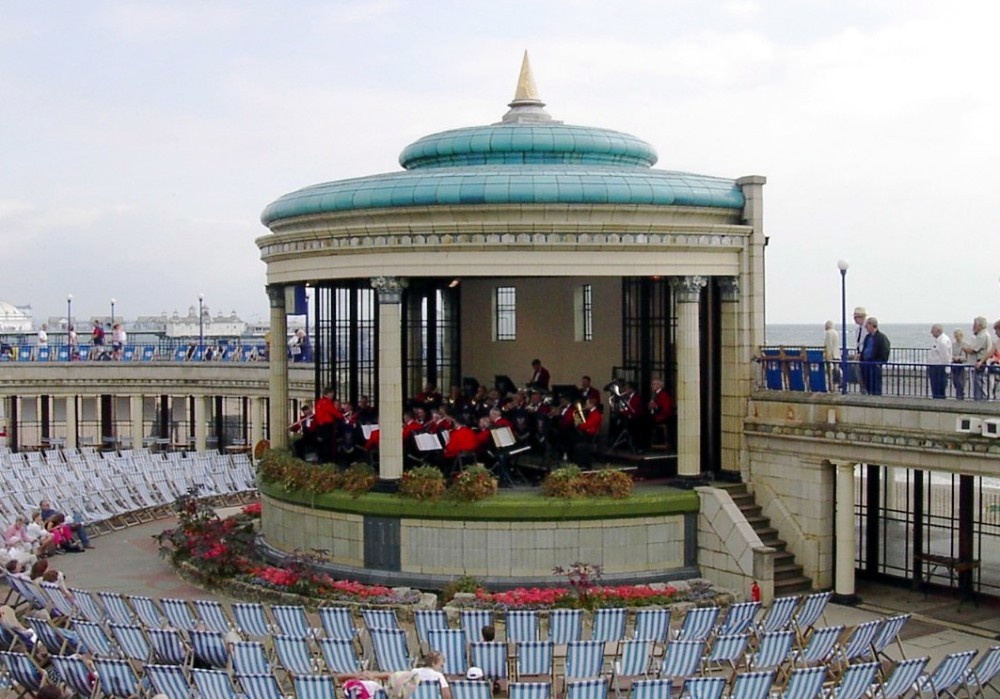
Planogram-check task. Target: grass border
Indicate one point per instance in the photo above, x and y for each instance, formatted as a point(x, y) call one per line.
point(516, 506)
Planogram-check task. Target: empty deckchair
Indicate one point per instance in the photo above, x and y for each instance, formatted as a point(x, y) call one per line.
point(653, 689)
point(529, 690)
point(250, 658)
point(888, 634)
point(681, 660)
point(584, 659)
point(116, 678)
point(521, 625)
point(779, 615)
point(633, 662)
point(739, 618)
point(983, 673)
point(472, 622)
point(804, 683)
point(809, 613)
point(424, 620)
point(704, 687)
point(698, 624)
point(261, 686)
point(210, 648)
point(652, 625)
point(391, 653)
point(609, 624)
point(752, 685)
point(593, 688)
point(292, 620)
point(726, 652)
point(947, 676)
point(340, 655)
point(212, 614)
point(251, 619)
point(337, 622)
point(213, 684)
point(491, 657)
point(533, 659)
point(565, 625)
point(295, 654)
point(855, 682)
point(314, 687)
point(168, 680)
point(451, 644)
point(900, 681)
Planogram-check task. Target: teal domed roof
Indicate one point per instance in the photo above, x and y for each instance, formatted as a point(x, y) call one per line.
point(527, 158)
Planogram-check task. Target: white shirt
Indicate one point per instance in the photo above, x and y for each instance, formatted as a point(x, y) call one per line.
point(862, 333)
point(831, 344)
point(940, 350)
point(43, 338)
point(429, 674)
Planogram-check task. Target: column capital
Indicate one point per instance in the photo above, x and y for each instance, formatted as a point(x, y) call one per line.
point(390, 289)
point(276, 295)
point(729, 288)
point(688, 289)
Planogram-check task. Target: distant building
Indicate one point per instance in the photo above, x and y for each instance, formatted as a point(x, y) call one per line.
point(15, 318)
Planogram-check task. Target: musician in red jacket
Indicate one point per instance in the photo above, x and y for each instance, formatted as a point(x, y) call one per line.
point(327, 420)
point(661, 408)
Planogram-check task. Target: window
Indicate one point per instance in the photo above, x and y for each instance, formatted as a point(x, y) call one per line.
point(505, 313)
point(583, 303)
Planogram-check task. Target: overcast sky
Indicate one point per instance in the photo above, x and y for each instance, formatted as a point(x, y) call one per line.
point(140, 141)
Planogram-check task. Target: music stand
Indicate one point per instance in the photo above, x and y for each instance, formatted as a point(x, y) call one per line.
point(506, 448)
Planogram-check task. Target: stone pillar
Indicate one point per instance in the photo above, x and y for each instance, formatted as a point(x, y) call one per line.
point(390, 376)
point(278, 368)
point(734, 402)
point(71, 440)
point(200, 419)
point(135, 417)
point(257, 417)
point(687, 292)
point(843, 584)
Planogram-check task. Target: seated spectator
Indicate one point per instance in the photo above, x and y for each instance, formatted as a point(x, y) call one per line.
point(18, 543)
point(39, 535)
point(62, 533)
point(78, 529)
point(430, 670)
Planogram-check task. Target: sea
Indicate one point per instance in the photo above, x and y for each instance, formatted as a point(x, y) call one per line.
point(909, 335)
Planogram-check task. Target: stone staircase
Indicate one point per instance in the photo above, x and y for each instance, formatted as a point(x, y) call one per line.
point(788, 575)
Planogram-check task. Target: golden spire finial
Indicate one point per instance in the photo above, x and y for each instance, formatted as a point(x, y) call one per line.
point(526, 90)
point(526, 107)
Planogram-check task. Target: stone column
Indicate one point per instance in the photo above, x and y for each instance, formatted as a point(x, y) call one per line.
point(135, 417)
point(257, 409)
point(843, 584)
point(687, 292)
point(278, 368)
point(200, 419)
point(71, 440)
point(390, 376)
point(733, 401)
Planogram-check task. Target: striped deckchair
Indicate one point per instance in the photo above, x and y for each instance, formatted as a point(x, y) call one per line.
point(169, 680)
point(820, 648)
point(473, 621)
point(738, 619)
point(888, 634)
point(296, 655)
point(521, 625)
point(168, 647)
point(178, 613)
point(389, 645)
point(584, 659)
point(809, 613)
point(652, 625)
point(778, 616)
point(947, 676)
point(261, 686)
point(681, 660)
point(379, 619)
point(132, 641)
point(856, 681)
point(427, 619)
point(209, 647)
point(698, 624)
point(900, 681)
point(75, 674)
point(704, 687)
point(338, 623)
point(213, 684)
point(292, 620)
point(147, 610)
point(633, 662)
point(858, 644)
point(565, 625)
point(609, 624)
point(250, 658)
point(470, 689)
point(982, 675)
point(94, 640)
point(726, 651)
point(533, 659)
point(651, 689)
point(61, 604)
point(773, 649)
point(594, 688)
point(491, 657)
point(116, 678)
point(529, 690)
point(213, 615)
point(752, 685)
point(49, 636)
point(117, 608)
point(89, 605)
point(251, 619)
point(340, 656)
point(314, 687)
point(427, 690)
point(804, 683)
point(451, 644)
point(23, 670)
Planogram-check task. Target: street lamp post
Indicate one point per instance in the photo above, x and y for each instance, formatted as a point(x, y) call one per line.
point(201, 320)
point(842, 266)
point(112, 312)
point(69, 312)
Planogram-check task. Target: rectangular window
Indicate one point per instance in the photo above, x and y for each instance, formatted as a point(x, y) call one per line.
point(583, 313)
point(505, 313)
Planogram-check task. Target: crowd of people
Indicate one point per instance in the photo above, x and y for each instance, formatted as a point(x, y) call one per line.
point(487, 425)
point(28, 541)
point(960, 358)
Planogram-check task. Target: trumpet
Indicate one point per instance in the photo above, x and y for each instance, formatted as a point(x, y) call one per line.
point(578, 417)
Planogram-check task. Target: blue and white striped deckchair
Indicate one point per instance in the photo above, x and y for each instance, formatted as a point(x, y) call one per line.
point(533, 659)
point(947, 676)
point(738, 619)
point(584, 659)
point(94, 640)
point(292, 620)
point(427, 690)
point(473, 621)
point(61, 604)
point(773, 649)
point(117, 608)
point(634, 661)
point(521, 625)
point(178, 613)
point(340, 656)
point(50, 637)
point(594, 688)
point(451, 644)
point(148, 352)
point(213, 684)
point(28, 592)
point(251, 619)
point(820, 648)
point(856, 682)
point(858, 644)
point(752, 685)
point(529, 690)
point(698, 624)
point(804, 683)
point(900, 680)
point(565, 625)
point(116, 678)
point(90, 607)
point(261, 686)
point(704, 687)
point(210, 648)
point(168, 647)
point(213, 615)
point(250, 658)
point(23, 670)
point(426, 619)
point(338, 623)
point(74, 673)
point(609, 624)
point(887, 634)
point(651, 689)
point(168, 680)
point(726, 650)
point(779, 615)
point(132, 641)
point(296, 655)
point(379, 619)
point(491, 657)
point(983, 673)
point(389, 645)
point(809, 613)
point(652, 625)
point(147, 610)
point(681, 659)
point(470, 689)
point(314, 687)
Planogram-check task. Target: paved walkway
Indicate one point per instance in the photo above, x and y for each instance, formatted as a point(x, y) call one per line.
point(126, 561)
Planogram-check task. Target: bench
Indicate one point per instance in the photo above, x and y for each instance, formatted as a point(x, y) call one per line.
point(955, 566)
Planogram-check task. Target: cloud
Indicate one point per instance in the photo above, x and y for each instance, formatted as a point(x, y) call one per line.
point(162, 22)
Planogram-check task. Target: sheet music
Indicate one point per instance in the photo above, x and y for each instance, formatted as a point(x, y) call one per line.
point(366, 430)
point(503, 437)
point(427, 442)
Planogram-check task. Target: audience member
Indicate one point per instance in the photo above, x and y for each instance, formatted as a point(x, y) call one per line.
point(307, 443)
point(958, 363)
point(938, 360)
point(831, 353)
point(874, 354)
point(430, 668)
point(978, 351)
point(46, 511)
point(860, 316)
point(43, 335)
point(327, 417)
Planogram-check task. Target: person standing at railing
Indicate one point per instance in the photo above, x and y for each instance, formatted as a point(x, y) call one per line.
point(937, 360)
point(860, 316)
point(874, 354)
point(977, 352)
point(958, 363)
point(831, 353)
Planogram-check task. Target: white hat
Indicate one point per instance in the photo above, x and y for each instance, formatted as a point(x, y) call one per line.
point(474, 673)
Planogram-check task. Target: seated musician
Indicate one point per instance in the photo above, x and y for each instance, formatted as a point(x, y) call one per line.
point(498, 420)
point(562, 426)
point(348, 428)
point(328, 415)
point(588, 391)
point(633, 412)
point(462, 440)
point(439, 421)
point(366, 414)
point(540, 376)
point(538, 416)
point(586, 432)
point(428, 398)
point(661, 406)
point(478, 402)
point(304, 427)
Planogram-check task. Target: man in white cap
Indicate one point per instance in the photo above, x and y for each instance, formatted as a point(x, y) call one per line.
point(860, 316)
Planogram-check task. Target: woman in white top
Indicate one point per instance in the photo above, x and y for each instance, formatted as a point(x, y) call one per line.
point(430, 670)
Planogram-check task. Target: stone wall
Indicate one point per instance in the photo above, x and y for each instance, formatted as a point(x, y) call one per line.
point(730, 553)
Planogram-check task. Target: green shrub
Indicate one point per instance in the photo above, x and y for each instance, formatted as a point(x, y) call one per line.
point(422, 483)
point(473, 484)
point(359, 478)
point(466, 583)
point(607, 482)
point(564, 482)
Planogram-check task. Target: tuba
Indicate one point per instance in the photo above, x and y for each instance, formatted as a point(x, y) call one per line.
point(578, 415)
